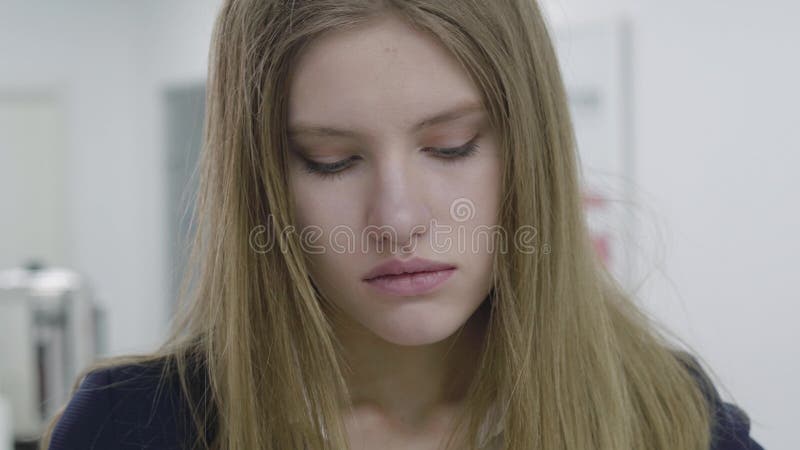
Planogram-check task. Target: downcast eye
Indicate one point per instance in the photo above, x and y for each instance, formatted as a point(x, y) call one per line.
point(454, 153)
point(326, 170)
point(337, 169)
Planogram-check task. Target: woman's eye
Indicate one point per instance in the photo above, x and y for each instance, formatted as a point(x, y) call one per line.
point(331, 170)
point(336, 169)
point(455, 153)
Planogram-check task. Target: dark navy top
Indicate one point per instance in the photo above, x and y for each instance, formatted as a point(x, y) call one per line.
point(121, 408)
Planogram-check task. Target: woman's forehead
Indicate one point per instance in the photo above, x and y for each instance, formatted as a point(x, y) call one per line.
point(459, 113)
point(381, 74)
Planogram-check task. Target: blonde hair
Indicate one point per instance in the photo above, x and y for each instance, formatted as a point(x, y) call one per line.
point(575, 362)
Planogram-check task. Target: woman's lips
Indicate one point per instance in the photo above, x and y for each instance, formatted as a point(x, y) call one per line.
point(410, 284)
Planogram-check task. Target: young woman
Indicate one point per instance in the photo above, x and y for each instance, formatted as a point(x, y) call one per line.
point(391, 254)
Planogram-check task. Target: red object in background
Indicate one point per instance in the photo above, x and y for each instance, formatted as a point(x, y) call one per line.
point(591, 200)
point(602, 247)
point(595, 203)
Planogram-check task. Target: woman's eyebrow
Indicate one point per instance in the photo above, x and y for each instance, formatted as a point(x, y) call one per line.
point(438, 118)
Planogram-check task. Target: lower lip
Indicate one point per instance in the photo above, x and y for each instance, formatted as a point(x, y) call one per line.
point(411, 283)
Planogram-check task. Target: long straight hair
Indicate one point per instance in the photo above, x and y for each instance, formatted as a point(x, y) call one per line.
point(571, 359)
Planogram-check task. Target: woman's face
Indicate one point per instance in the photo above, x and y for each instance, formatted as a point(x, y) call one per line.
point(394, 115)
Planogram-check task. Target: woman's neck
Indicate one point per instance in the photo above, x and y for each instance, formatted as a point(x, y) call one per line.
point(411, 386)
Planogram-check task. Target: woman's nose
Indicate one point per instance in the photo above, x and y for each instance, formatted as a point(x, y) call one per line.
point(399, 206)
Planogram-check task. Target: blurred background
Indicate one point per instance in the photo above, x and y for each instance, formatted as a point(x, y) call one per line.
point(688, 132)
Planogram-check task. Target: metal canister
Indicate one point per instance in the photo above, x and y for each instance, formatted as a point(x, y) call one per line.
point(50, 329)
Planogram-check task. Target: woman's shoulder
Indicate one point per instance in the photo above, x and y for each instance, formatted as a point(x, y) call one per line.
point(126, 406)
point(731, 424)
point(732, 430)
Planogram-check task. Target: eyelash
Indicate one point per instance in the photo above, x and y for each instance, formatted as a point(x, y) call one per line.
point(337, 169)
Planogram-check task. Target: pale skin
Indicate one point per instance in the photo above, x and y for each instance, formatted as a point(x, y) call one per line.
point(410, 359)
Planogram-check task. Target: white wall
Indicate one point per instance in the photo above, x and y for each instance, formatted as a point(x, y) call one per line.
point(32, 179)
point(717, 143)
point(109, 62)
point(88, 52)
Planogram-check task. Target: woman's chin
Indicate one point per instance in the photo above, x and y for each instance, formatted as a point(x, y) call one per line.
point(414, 340)
point(415, 332)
